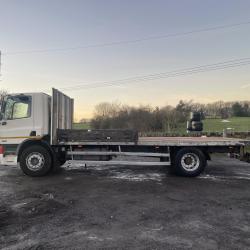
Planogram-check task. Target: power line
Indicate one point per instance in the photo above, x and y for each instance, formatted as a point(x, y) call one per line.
point(115, 43)
point(177, 73)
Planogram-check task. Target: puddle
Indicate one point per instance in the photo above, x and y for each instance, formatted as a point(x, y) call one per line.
point(3, 172)
point(207, 176)
point(118, 172)
point(132, 176)
point(68, 178)
point(221, 178)
point(89, 167)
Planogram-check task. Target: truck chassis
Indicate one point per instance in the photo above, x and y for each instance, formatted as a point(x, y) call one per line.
point(187, 156)
point(42, 138)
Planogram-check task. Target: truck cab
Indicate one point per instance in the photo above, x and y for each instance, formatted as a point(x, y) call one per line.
point(23, 116)
point(26, 118)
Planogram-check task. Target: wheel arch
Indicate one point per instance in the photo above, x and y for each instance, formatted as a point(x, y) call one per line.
point(27, 143)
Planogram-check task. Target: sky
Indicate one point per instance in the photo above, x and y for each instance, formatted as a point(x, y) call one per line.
point(36, 36)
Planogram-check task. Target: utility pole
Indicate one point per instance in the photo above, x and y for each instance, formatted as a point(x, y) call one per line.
point(0, 64)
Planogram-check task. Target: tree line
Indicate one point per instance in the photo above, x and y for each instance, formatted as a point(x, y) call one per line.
point(168, 118)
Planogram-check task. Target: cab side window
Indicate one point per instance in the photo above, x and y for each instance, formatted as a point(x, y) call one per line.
point(17, 107)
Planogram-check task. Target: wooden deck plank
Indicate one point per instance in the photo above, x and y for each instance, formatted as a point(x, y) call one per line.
point(97, 135)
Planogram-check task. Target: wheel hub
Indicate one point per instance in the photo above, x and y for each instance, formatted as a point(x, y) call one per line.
point(188, 160)
point(35, 161)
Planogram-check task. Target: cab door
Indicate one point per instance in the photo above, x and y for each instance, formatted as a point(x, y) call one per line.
point(17, 122)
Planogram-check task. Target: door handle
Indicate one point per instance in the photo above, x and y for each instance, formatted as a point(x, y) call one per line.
point(4, 123)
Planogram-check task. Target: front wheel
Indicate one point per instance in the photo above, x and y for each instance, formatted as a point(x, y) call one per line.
point(189, 162)
point(35, 161)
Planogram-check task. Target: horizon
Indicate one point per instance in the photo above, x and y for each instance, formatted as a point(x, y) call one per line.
point(77, 119)
point(191, 102)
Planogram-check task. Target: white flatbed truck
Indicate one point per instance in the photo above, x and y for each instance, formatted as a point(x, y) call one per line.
point(36, 132)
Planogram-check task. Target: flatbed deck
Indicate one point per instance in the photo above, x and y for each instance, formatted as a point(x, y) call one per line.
point(195, 141)
point(170, 141)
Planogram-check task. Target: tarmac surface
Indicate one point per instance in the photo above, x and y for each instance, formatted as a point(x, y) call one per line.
point(126, 208)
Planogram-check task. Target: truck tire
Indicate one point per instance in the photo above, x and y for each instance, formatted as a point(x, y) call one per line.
point(35, 161)
point(189, 162)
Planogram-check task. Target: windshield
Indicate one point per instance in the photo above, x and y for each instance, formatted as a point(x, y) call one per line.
point(16, 107)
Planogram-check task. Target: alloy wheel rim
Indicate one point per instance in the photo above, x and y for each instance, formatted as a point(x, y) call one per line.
point(35, 161)
point(190, 162)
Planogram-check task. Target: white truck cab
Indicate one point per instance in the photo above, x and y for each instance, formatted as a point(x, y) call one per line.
point(26, 117)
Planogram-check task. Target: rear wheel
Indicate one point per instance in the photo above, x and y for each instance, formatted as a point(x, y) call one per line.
point(35, 161)
point(189, 162)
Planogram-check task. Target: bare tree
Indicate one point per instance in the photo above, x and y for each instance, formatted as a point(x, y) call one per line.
point(167, 119)
point(3, 93)
point(171, 118)
point(106, 109)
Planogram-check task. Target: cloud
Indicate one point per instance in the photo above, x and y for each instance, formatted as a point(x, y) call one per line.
point(245, 86)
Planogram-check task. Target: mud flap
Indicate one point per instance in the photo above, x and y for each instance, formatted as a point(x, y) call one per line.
point(245, 154)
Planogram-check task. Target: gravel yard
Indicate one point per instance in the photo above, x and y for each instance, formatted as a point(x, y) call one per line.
point(126, 208)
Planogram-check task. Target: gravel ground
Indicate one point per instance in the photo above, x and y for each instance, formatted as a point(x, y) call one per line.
point(126, 208)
